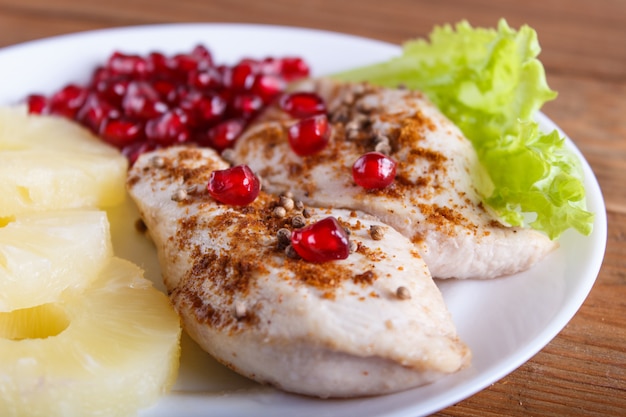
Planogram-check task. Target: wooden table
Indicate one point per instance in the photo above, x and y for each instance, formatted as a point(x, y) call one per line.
point(583, 370)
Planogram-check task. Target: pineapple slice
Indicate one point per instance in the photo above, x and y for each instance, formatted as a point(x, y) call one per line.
point(43, 255)
point(109, 351)
point(49, 163)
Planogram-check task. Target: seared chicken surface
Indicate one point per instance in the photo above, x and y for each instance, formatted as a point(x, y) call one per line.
point(433, 200)
point(370, 324)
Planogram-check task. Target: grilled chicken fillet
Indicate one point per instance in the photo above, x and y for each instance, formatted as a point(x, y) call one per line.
point(335, 329)
point(433, 201)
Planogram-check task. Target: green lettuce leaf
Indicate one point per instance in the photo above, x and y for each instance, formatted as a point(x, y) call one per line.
point(490, 83)
point(533, 173)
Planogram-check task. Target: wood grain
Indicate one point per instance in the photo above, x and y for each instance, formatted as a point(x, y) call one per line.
point(582, 372)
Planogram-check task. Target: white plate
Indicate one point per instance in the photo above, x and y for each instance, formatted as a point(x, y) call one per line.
point(504, 321)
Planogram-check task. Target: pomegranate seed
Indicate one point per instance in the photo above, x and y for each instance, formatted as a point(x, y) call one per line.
point(113, 89)
point(134, 65)
point(270, 65)
point(101, 74)
point(250, 61)
point(323, 241)
point(374, 170)
point(292, 68)
point(224, 135)
point(182, 64)
point(37, 104)
point(207, 79)
point(203, 55)
point(203, 109)
point(121, 132)
point(309, 136)
point(302, 104)
point(94, 111)
point(166, 89)
point(169, 128)
point(159, 63)
point(246, 105)
point(268, 86)
point(237, 186)
point(68, 100)
point(241, 76)
point(142, 100)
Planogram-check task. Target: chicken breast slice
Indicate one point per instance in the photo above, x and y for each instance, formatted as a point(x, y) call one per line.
point(333, 329)
point(434, 200)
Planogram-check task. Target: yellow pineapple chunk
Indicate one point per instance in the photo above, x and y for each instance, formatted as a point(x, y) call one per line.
point(50, 163)
point(43, 255)
point(109, 351)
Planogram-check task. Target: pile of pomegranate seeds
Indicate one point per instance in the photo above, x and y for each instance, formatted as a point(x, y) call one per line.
point(323, 241)
point(374, 170)
point(236, 186)
point(139, 103)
